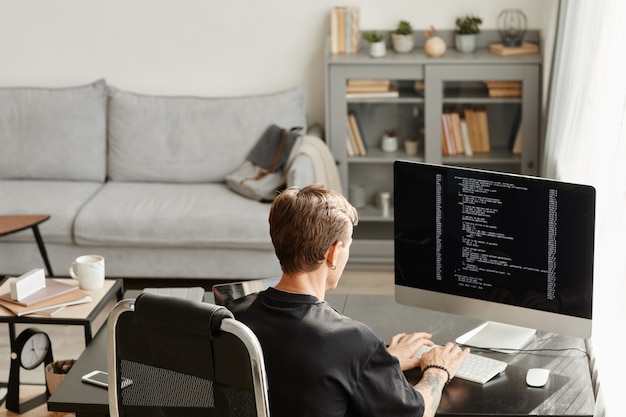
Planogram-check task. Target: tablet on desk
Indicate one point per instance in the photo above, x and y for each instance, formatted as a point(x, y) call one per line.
point(101, 379)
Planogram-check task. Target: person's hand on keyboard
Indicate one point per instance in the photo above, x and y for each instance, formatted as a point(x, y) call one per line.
point(404, 346)
point(444, 359)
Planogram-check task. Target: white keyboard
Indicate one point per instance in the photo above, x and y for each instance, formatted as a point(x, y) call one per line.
point(475, 368)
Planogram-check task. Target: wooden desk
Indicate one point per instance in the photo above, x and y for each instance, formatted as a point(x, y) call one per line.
point(569, 392)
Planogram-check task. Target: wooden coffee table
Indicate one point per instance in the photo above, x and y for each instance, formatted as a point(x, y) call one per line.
point(16, 223)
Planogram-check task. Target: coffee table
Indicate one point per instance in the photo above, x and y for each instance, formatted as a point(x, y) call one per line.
point(15, 223)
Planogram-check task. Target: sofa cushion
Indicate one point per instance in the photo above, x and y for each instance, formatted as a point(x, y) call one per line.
point(172, 215)
point(53, 133)
point(191, 139)
point(60, 199)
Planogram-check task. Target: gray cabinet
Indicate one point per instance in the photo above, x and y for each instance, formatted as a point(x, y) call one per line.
point(428, 88)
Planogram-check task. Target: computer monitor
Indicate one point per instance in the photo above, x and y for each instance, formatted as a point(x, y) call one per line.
point(514, 250)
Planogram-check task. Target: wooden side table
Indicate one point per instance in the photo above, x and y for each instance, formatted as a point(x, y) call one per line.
point(16, 223)
point(91, 316)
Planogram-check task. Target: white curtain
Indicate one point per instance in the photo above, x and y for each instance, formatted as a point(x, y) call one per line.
point(586, 143)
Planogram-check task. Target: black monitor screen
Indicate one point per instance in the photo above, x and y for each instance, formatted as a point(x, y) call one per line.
point(510, 239)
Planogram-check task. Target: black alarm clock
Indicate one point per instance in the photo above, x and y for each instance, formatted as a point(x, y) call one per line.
point(30, 349)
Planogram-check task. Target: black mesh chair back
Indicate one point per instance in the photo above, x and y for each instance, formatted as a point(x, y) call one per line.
point(182, 358)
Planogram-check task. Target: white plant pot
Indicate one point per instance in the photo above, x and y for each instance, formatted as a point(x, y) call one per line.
point(389, 143)
point(378, 49)
point(465, 43)
point(402, 43)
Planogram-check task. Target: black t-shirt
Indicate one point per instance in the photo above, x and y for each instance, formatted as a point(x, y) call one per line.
point(321, 363)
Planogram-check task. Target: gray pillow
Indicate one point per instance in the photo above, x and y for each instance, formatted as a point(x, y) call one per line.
point(53, 133)
point(191, 139)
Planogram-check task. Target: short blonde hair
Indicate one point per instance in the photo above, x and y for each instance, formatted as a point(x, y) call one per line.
point(306, 222)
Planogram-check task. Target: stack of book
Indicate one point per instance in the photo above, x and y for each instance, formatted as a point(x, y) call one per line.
point(48, 301)
point(355, 141)
point(527, 48)
point(364, 88)
point(465, 132)
point(504, 88)
point(344, 30)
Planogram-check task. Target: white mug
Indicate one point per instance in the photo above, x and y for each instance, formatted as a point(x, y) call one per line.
point(89, 271)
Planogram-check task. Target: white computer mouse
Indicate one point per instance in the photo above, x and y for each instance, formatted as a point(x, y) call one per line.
point(537, 377)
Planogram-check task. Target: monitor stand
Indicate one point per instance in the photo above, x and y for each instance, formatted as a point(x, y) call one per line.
point(497, 336)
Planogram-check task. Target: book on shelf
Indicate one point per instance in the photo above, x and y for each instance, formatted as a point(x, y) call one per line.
point(513, 135)
point(367, 85)
point(360, 131)
point(467, 146)
point(478, 129)
point(390, 92)
point(351, 146)
point(444, 142)
point(354, 129)
point(504, 88)
point(455, 120)
point(355, 89)
point(483, 128)
point(468, 116)
point(449, 143)
point(505, 92)
point(350, 141)
point(356, 82)
point(344, 30)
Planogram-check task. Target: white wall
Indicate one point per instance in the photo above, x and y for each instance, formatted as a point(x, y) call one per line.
point(206, 47)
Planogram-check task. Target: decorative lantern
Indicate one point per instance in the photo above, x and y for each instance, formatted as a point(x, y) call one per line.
point(512, 27)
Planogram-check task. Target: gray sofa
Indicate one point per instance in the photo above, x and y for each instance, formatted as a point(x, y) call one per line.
point(139, 180)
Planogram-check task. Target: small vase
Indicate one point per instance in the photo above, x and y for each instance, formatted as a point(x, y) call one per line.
point(378, 49)
point(465, 43)
point(402, 43)
point(435, 47)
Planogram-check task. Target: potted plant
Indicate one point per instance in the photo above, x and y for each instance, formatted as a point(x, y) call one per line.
point(467, 27)
point(56, 371)
point(410, 146)
point(377, 44)
point(389, 142)
point(402, 37)
point(434, 46)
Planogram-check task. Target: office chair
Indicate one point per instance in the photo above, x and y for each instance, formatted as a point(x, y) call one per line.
point(183, 358)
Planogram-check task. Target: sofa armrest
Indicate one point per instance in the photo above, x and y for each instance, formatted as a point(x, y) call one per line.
point(300, 172)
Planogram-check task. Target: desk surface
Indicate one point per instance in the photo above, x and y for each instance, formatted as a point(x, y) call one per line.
point(569, 392)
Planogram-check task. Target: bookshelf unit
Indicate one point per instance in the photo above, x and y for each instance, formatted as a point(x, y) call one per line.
point(428, 88)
